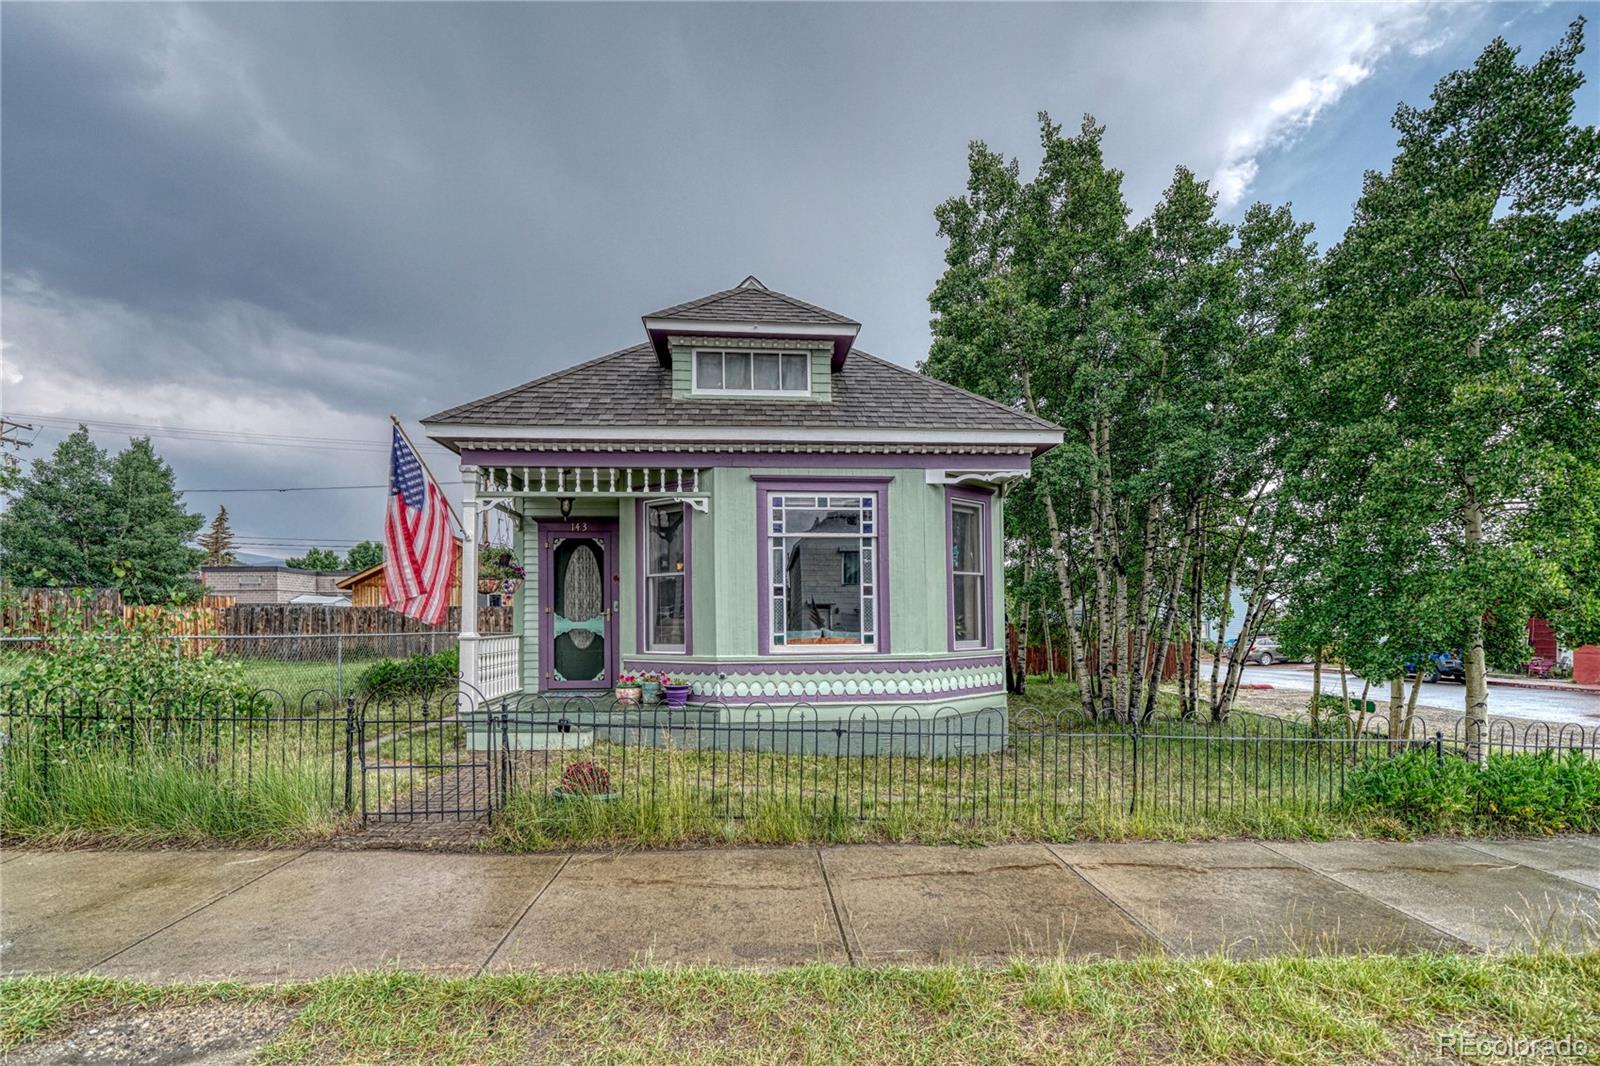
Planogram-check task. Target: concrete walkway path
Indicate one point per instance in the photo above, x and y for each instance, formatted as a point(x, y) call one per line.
point(287, 915)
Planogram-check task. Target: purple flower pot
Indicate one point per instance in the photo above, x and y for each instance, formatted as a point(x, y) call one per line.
point(676, 695)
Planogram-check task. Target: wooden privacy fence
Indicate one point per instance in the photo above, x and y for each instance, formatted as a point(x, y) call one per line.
point(25, 612)
point(298, 631)
point(1063, 662)
point(291, 631)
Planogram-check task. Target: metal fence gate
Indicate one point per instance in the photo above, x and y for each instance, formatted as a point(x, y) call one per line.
point(425, 759)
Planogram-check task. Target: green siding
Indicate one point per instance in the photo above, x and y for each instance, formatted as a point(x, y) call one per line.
point(724, 598)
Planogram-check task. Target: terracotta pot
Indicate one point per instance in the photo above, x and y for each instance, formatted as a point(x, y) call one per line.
point(628, 693)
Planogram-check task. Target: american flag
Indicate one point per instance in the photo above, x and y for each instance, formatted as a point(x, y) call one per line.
point(421, 551)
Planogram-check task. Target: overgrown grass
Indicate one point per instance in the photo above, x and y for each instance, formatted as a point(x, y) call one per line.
point(1049, 787)
point(166, 798)
point(1282, 1010)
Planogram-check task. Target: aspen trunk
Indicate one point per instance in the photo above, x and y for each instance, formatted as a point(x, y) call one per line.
point(1143, 623)
point(1049, 647)
point(1169, 615)
point(1316, 692)
point(1191, 706)
point(1477, 667)
point(1059, 556)
point(1098, 501)
point(1411, 707)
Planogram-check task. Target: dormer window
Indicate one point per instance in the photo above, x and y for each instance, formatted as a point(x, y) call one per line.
point(727, 372)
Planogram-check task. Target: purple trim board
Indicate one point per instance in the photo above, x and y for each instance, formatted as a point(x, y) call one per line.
point(801, 664)
point(975, 462)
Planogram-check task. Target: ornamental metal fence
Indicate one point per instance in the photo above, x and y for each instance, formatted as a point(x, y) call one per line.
point(402, 755)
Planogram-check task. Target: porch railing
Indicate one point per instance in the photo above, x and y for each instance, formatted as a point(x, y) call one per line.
point(498, 667)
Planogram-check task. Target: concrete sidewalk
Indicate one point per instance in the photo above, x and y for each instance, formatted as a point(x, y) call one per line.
point(269, 916)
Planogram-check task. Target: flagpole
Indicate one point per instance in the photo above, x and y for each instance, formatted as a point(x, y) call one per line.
point(418, 453)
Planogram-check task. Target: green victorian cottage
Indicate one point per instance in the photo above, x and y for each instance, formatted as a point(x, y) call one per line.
point(747, 502)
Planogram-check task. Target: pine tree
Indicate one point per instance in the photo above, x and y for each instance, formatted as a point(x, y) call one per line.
point(151, 529)
point(55, 531)
point(217, 542)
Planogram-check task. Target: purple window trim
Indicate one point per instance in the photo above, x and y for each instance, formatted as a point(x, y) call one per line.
point(982, 500)
point(977, 461)
point(806, 664)
point(767, 484)
point(605, 531)
point(641, 510)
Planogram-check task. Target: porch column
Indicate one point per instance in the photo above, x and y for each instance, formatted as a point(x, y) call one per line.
point(469, 586)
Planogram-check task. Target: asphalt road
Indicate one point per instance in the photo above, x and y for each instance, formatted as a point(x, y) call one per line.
point(1539, 704)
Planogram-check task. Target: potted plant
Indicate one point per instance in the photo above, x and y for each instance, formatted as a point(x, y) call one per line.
point(498, 571)
point(584, 780)
point(628, 689)
point(652, 688)
point(676, 693)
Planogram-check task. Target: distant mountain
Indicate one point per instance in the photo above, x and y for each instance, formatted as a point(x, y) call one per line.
point(252, 559)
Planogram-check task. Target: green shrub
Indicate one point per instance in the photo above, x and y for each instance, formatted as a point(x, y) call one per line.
point(127, 662)
point(413, 676)
point(1415, 787)
point(1539, 792)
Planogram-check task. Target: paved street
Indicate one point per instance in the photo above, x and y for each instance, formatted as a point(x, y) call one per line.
point(271, 916)
point(1542, 705)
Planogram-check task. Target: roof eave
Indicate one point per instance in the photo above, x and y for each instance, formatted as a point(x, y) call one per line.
point(659, 330)
point(451, 435)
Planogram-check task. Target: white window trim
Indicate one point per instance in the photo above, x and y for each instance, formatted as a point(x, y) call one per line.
point(650, 585)
point(802, 650)
point(982, 573)
point(782, 394)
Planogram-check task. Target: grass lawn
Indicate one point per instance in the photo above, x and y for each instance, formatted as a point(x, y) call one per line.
point(1289, 1010)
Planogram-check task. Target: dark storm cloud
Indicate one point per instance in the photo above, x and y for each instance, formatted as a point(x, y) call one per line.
point(296, 218)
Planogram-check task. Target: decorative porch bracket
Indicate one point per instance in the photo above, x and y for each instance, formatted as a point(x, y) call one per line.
point(998, 478)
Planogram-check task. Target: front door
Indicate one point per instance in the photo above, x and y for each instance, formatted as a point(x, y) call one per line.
point(578, 598)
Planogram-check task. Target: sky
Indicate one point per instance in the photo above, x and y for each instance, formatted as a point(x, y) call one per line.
point(262, 228)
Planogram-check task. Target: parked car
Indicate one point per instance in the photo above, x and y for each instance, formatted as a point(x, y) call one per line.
point(1439, 665)
point(1263, 650)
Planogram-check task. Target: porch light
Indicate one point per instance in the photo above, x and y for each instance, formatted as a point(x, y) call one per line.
point(565, 503)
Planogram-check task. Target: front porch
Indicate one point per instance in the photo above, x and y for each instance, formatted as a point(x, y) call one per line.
point(575, 538)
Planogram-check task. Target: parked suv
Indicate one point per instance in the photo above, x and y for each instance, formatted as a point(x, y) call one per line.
point(1440, 664)
point(1264, 650)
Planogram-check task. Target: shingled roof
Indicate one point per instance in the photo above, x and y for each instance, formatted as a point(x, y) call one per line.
point(751, 301)
point(628, 389)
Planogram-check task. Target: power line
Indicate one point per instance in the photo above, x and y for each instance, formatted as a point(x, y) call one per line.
point(220, 436)
point(294, 488)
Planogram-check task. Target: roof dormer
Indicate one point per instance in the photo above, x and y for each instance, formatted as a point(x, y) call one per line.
point(750, 310)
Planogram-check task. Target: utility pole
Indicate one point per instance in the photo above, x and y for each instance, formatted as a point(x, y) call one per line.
point(9, 433)
point(10, 439)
